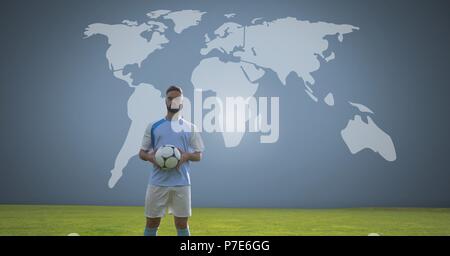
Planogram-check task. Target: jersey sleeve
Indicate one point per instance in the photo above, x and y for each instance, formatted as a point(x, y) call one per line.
point(196, 141)
point(147, 139)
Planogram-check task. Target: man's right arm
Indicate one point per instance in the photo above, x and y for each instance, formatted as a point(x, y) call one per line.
point(147, 156)
point(147, 153)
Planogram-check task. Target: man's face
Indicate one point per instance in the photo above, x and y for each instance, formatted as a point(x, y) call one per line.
point(174, 101)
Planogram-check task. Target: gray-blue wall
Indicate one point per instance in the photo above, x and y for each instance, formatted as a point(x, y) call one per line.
point(63, 114)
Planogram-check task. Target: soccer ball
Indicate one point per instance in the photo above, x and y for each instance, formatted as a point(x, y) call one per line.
point(167, 157)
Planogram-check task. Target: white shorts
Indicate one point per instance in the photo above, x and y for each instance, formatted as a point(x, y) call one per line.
point(176, 199)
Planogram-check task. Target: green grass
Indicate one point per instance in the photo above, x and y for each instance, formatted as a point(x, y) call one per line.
point(117, 220)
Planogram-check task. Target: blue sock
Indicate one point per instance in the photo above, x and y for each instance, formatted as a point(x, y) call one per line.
point(183, 232)
point(150, 231)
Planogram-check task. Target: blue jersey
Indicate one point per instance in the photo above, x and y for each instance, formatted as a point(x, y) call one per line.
point(181, 134)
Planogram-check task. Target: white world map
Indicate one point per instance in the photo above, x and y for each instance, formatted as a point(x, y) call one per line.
point(255, 47)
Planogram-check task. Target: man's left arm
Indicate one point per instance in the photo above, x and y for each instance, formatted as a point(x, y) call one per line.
point(196, 143)
point(195, 156)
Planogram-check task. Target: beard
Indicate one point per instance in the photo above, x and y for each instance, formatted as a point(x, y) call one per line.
point(173, 110)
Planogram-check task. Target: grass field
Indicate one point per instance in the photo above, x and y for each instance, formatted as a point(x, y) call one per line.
point(127, 220)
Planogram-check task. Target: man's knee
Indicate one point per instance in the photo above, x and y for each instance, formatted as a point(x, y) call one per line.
point(153, 222)
point(181, 222)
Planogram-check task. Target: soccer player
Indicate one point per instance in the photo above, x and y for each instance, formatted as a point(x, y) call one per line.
point(170, 188)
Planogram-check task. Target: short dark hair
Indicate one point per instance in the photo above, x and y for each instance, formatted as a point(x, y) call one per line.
point(174, 88)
